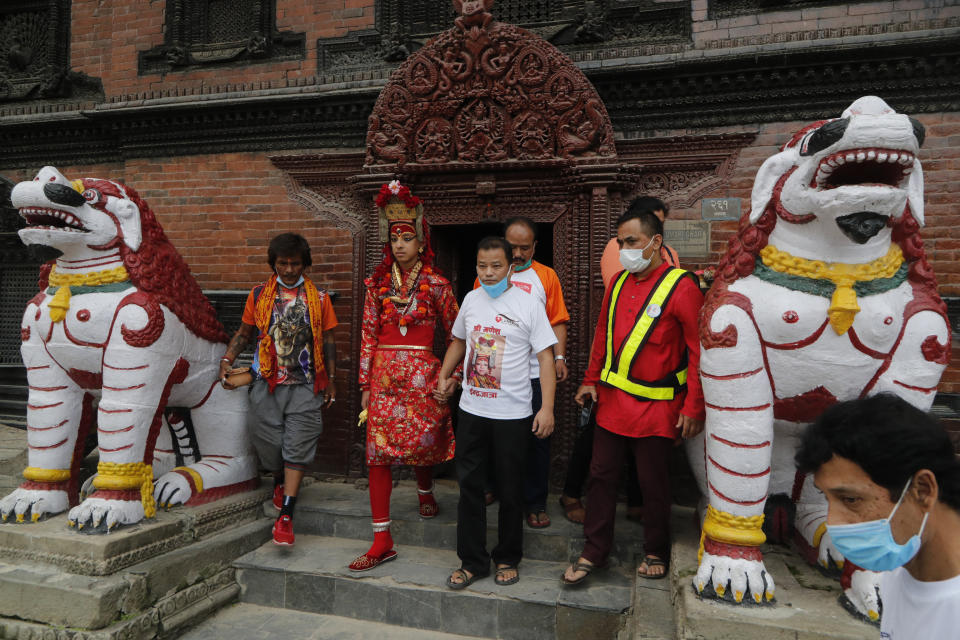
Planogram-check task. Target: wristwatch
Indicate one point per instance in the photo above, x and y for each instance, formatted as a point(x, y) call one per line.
point(560, 358)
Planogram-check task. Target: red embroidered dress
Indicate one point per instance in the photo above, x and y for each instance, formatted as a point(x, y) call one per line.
point(405, 424)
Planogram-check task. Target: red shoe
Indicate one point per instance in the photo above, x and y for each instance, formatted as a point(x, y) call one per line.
point(278, 497)
point(367, 561)
point(283, 531)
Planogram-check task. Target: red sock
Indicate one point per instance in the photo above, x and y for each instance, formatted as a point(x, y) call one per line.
point(381, 484)
point(425, 484)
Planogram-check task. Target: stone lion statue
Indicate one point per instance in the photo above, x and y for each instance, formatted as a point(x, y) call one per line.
point(118, 335)
point(825, 294)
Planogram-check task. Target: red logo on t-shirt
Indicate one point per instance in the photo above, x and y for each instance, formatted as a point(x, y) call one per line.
point(526, 286)
point(498, 319)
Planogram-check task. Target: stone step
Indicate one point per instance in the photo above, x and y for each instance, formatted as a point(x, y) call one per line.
point(410, 591)
point(249, 621)
point(342, 510)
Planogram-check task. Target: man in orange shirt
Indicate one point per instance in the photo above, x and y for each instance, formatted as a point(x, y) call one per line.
point(294, 364)
point(610, 260)
point(644, 377)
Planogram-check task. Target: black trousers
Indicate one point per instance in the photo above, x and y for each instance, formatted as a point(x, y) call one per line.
point(500, 445)
point(536, 483)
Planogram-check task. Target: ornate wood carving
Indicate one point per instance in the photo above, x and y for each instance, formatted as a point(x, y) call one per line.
point(35, 53)
point(485, 92)
point(210, 32)
point(683, 169)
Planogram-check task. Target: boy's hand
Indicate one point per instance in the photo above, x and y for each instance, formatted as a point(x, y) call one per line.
point(543, 424)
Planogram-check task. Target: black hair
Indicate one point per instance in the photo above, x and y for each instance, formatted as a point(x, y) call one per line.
point(651, 224)
point(495, 242)
point(289, 244)
point(650, 203)
point(525, 221)
point(889, 439)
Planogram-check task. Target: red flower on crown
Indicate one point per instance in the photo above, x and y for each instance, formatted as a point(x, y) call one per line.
point(395, 189)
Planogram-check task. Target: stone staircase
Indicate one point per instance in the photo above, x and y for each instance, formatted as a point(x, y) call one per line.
point(332, 525)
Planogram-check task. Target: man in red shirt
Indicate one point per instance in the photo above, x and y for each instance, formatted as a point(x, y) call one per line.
point(644, 376)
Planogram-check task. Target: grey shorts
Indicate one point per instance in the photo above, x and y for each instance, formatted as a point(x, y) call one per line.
point(284, 425)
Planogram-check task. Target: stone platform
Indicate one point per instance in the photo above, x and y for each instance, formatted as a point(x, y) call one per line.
point(137, 582)
point(805, 608)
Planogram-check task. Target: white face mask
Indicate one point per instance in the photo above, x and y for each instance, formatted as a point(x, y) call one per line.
point(633, 260)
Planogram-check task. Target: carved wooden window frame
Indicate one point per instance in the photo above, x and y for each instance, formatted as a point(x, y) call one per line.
point(187, 40)
point(34, 49)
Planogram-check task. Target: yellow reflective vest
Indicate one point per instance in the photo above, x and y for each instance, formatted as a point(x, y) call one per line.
point(617, 366)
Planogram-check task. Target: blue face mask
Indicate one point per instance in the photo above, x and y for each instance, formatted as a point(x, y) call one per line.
point(290, 286)
point(525, 265)
point(871, 544)
point(494, 290)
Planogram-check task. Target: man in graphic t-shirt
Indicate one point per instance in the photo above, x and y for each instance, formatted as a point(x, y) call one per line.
point(294, 364)
point(892, 483)
point(494, 335)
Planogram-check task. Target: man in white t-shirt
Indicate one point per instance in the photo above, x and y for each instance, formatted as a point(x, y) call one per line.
point(892, 483)
point(494, 335)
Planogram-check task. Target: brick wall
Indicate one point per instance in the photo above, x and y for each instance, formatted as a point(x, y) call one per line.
point(857, 18)
point(108, 34)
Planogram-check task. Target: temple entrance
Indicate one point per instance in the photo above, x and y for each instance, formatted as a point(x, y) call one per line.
point(456, 246)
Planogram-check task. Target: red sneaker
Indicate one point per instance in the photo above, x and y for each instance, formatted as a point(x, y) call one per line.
point(283, 531)
point(278, 497)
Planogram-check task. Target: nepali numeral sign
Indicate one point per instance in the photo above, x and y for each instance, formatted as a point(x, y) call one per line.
point(720, 209)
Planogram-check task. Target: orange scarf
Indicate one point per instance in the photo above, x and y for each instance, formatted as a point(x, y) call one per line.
point(268, 351)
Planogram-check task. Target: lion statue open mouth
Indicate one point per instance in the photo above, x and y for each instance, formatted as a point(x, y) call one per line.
point(120, 336)
point(825, 294)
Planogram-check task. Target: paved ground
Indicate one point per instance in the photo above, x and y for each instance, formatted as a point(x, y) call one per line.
point(252, 622)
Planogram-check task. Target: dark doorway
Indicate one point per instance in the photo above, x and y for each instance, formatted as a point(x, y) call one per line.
point(456, 249)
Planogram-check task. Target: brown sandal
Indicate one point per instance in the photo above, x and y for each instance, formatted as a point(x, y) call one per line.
point(574, 511)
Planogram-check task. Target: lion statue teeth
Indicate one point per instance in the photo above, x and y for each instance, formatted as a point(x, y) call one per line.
point(120, 336)
point(824, 294)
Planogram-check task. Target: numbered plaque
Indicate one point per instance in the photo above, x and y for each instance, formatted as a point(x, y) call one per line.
point(712, 209)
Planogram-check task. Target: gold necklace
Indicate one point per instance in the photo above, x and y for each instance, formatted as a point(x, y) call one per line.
point(843, 305)
point(401, 290)
point(404, 291)
point(60, 303)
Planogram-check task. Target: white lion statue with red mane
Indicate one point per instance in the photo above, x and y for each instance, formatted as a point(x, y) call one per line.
point(120, 336)
point(824, 295)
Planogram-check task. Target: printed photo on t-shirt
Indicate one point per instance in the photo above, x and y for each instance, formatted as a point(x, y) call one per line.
point(486, 361)
point(292, 337)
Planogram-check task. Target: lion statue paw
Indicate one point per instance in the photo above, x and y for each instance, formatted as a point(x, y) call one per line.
point(734, 579)
point(33, 504)
point(100, 514)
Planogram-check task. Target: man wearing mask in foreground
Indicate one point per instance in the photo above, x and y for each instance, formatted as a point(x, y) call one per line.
point(497, 330)
point(645, 359)
point(892, 483)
